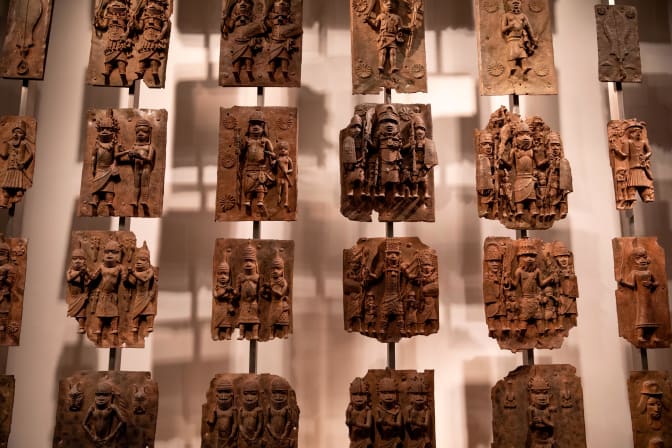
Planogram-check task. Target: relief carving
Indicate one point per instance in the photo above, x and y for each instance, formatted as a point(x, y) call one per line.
point(125, 163)
point(641, 295)
point(618, 43)
point(650, 395)
point(257, 170)
point(17, 158)
point(261, 43)
point(397, 59)
point(515, 48)
point(248, 411)
point(252, 289)
point(541, 419)
point(630, 157)
point(106, 409)
point(390, 288)
point(24, 52)
point(392, 408)
point(130, 42)
point(529, 291)
point(387, 163)
point(13, 259)
point(6, 408)
point(522, 176)
point(112, 288)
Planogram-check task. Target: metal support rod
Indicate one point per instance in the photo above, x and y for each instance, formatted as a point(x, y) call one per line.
point(114, 362)
point(528, 357)
point(514, 104)
point(260, 97)
point(388, 96)
point(253, 357)
point(391, 346)
point(23, 105)
point(645, 358)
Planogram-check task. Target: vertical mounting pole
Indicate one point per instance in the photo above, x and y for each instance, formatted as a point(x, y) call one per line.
point(391, 347)
point(528, 357)
point(645, 358)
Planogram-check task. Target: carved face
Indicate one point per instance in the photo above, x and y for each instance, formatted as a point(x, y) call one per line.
point(427, 267)
point(249, 265)
point(494, 266)
point(279, 397)
point(105, 134)
point(111, 256)
point(641, 259)
point(76, 400)
point(281, 6)
point(359, 399)
point(18, 134)
point(654, 408)
point(256, 128)
point(515, 6)
point(524, 140)
point(420, 133)
point(223, 277)
point(528, 261)
point(388, 398)
point(243, 8)
point(635, 133)
point(389, 127)
point(78, 262)
point(386, 5)
point(370, 300)
point(103, 399)
point(392, 258)
point(419, 400)
point(283, 150)
point(143, 134)
point(556, 148)
point(563, 261)
point(355, 130)
point(540, 398)
point(277, 272)
point(141, 262)
point(250, 397)
point(486, 148)
point(224, 396)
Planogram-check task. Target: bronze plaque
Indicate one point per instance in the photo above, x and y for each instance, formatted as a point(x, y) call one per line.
point(125, 163)
point(515, 47)
point(106, 409)
point(257, 170)
point(522, 176)
point(391, 288)
point(129, 42)
point(252, 289)
point(388, 46)
point(24, 52)
point(6, 408)
point(630, 157)
point(641, 295)
point(650, 395)
point(539, 406)
point(529, 292)
point(13, 260)
point(392, 409)
point(249, 411)
point(17, 157)
point(111, 288)
point(618, 43)
point(261, 43)
point(387, 163)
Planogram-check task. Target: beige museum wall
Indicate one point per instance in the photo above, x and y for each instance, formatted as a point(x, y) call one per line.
point(321, 359)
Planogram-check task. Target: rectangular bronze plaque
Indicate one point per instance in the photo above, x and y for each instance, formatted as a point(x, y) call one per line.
point(618, 43)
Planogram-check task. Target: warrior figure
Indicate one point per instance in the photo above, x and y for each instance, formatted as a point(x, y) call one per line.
point(257, 160)
point(250, 417)
point(104, 163)
point(540, 414)
point(19, 152)
point(247, 290)
point(388, 415)
point(423, 159)
point(411, 312)
point(559, 177)
point(391, 31)
point(8, 276)
point(354, 158)
point(390, 271)
point(568, 288)
point(141, 157)
point(637, 151)
point(485, 176)
point(143, 279)
point(370, 313)
point(153, 27)
point(280, 420)
point(224, 313)
point(278, 293)
point(519, 37)
point(358, 416)
point(524, 194)
point(114, 21)
point(427, 280)
point(285, 169)
point(223, 419)
point(387, 143)
point(105, 283)
point(643, 284)
point(78, 283)
point(418, 416)
point(237, 22)
point(282, 35)
point(354, 291)
point(493, 297)
point(104, 422)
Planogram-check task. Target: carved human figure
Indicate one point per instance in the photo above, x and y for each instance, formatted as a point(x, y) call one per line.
point(391, 30)
point(417, 416)
point(113, 23)
point(279, 298)
point(423, 158)
point(8, 275)
point(78, 279)
point(358, 416)
point(641, 280)
point(104, 422)
point(485, 176)
point(247, 289)
point(139, 399)
point(510, 401)
point(75, 397)
point(142, 280)
point(224, 310)
point(142, 157)
point(354, 158)
point(285, 170)
point(387, 143)
point(222, 421)
point(495, 309)
point(280, 420)
point(636, 150)
point(524, 194)
point(281, 38)
point(19, 153)
point(353, 288)
point(105, 172)
point(651, 404)
point(251, 416)
point(540, 414)
point(427, 280)
point(390, 271)
point(520, 39)
point(370, 314)
point(153, 28)
point(245, 36)
point(388, 414)
point(568, 288)
point(257, 160)
point(105, 283)
point(559, 178)
point(411, 312)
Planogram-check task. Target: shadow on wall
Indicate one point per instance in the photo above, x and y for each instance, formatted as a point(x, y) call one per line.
point(313, 115)
point(202, 20)
point(650, 101)
point(655, 14)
